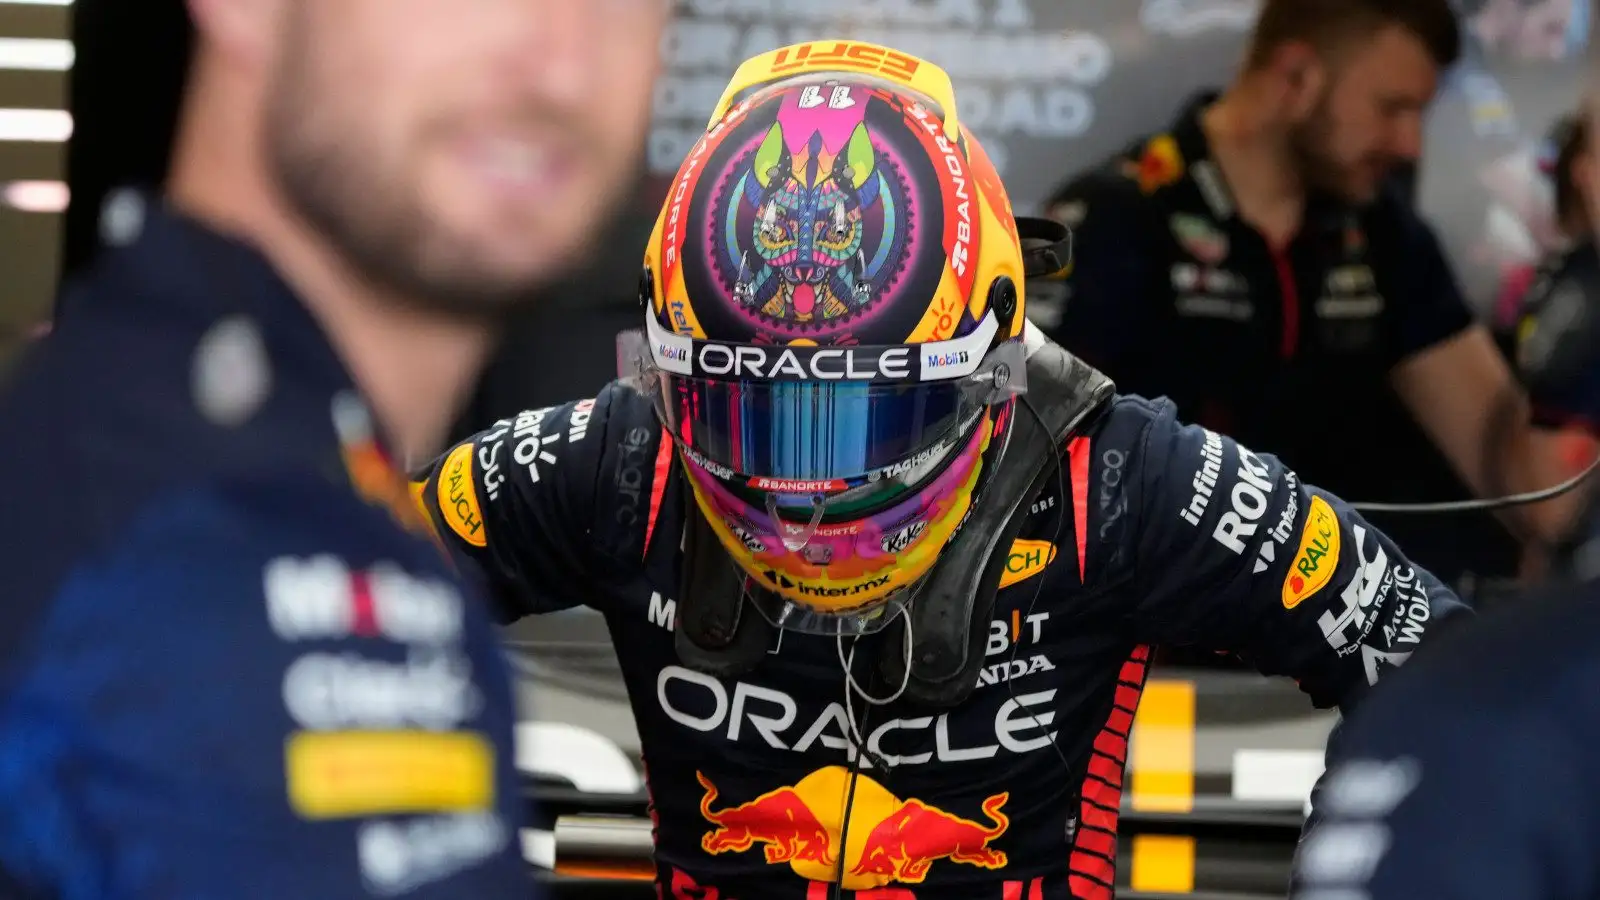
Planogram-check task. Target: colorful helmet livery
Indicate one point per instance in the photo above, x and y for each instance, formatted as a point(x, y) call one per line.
point(823, 283)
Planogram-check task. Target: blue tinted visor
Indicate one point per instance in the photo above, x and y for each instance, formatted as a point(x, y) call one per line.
point(809, 431)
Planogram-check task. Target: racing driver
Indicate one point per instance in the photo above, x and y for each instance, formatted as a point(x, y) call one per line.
point(881, 564)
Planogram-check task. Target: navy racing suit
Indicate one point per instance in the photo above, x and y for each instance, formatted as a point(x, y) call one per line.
point(228, 669)
point(1157, 533)
point(1471, 777)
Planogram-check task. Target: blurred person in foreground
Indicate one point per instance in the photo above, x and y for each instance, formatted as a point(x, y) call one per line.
point(881, 563)
point(1255, 264)
point(1471, 775)
point(234, 663)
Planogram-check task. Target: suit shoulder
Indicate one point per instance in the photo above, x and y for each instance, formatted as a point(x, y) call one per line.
point(191, 551)
point(1132, 415)
point(243, 520)
point(104, 444)
point(627, 404)
point(184, 399)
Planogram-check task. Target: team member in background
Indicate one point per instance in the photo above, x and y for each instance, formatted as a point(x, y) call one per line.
point(1558, 330)
point(881, 563)
point(1471, 776)
point(234, 663)
point(1259, 230)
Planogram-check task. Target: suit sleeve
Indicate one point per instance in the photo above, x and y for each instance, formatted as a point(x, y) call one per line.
point(1115, 280)
point(540, 502)
point(1436, 791)
point(1235, 553)
point(192, 696)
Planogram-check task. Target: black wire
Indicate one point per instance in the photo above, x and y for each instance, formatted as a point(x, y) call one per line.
point(837, 889)
point(1038, 588)
point(1490, 503)
point(836, 892)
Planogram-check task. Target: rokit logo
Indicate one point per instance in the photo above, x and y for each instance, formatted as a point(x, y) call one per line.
point(1250, 497)
point(748, 712)
point(322, 598)
point(431, 691)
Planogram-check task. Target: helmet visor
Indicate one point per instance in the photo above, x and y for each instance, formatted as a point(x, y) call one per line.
point(820, 420)
point(802, 437)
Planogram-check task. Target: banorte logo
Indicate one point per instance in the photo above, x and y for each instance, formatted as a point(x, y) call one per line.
point(889, 840)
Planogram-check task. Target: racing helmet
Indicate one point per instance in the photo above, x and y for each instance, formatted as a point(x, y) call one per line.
point(833, 327)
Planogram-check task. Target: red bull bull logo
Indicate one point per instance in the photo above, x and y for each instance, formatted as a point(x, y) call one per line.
point(889, 840)
point(780, 819)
